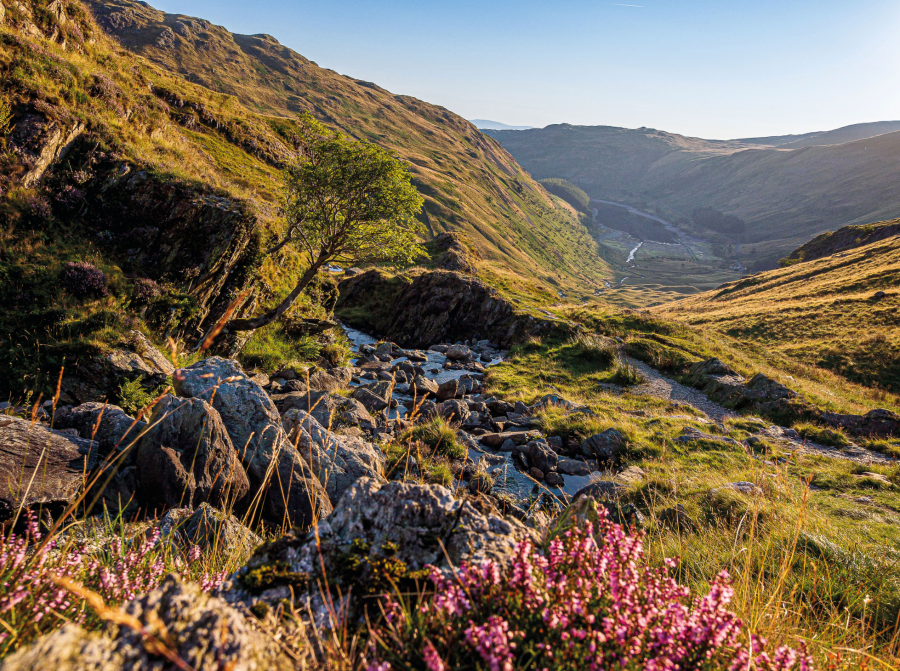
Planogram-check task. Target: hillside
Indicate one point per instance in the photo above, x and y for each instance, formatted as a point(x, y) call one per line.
point(471, 185)
point(859, 131)
point(842, 240)
point(785, 195)
point(826, 312)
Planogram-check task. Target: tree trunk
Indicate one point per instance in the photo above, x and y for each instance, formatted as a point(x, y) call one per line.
point(258, 322)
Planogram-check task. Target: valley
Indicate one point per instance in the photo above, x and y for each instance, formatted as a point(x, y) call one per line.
point(297, 373)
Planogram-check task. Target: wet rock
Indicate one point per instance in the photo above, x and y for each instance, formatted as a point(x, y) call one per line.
point(193, 622)
point(508, 445)
point(541, 456)
point(207, 527)
point(573, 467)
point(422, 387)
point(458, 353)
point(497, 439)
point(453, 411)
point(338, 461)
point(536, 473)
point(291, 491)
point(605, 446)
point(449, 390)
point(554, 479)
point(53, 464)
point(186, 457)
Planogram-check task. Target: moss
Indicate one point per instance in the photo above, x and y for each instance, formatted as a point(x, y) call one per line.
point(266, 576)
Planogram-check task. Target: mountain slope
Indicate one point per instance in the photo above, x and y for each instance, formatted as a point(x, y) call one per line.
point(786, 196)
point(470, 183)
point(842, 240)
point(825, 312)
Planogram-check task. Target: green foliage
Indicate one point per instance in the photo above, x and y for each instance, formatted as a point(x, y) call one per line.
point(350, 201)
point(132, 396)
point(822, 436)
point(270, 347)
point(568, 192)
point(438, 436)
point(658, 355)
point(627, 375)
point(336, 354)
point(595, 350)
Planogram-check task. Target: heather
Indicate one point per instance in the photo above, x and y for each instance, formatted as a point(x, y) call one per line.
point(588, 601)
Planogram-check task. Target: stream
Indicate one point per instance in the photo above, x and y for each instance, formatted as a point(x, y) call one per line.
point(508, 479)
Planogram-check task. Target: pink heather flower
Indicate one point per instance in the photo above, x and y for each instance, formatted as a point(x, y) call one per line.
point(581, 604)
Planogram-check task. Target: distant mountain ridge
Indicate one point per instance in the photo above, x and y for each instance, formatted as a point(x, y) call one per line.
point(785, 194)
point(859, 131)
point(485, 124)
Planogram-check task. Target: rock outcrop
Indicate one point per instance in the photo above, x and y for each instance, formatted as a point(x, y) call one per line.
point(186, 458)
point(291, 492)
point(375, 527)
point(437, 306)
point(40, 467)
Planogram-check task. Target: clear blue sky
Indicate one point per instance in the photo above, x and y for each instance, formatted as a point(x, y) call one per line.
point(715, 69)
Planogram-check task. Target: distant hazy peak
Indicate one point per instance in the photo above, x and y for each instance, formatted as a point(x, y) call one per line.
point(485, 124)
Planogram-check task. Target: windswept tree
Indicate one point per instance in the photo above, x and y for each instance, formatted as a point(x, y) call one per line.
point(346, 202)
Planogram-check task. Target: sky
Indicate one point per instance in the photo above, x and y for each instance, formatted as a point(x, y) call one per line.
point(708, 68)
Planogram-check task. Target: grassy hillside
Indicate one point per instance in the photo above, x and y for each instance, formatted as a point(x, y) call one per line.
point(822, 313)
point(785, 195)
point(841, 240)
point(471, 185)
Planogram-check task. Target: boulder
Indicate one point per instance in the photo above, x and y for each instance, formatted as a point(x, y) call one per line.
point(541, 456)
point(497, 439)
point(291, 493)
point(410, 526)
point(39, 467)
point(338, 461)
point(330, 380)
point(449, 390)
point(422, 387)
point(602, 490)
point(573, 467)
point(106, 424)
point(98, 378)
point(877, 422)
point(458, 353)
point(186, 458)
point(208, 528)
point(203, 631)
point(554, 479)
point(605, 446)
point(453, 411)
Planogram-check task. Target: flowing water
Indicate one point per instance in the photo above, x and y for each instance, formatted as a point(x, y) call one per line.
point(507, 478)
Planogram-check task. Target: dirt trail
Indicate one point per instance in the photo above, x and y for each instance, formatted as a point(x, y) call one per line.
point(659, 386)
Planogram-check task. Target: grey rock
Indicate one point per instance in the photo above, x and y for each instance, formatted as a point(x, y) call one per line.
point(497, 439)
point(193, 620)
point(541, 456)
point(554, 479)
point(109, 425)
point(573, 467)
point(186, 457)
point(422, 387)
point(458, 353)
point(605, 446)
point(419, 525)
point(338, 461)
point(449, 390)
point(601, 490)
point(291, 492)
point(508, 445)
point(208, 528)
point(39, 467)
point(453, 411)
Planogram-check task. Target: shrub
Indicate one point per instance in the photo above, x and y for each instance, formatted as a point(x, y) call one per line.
point(335, 354)
point(133, 397)
point(582, 604)
point(121, 570)
point(39, 209)
point(145, 291)
point(83, 279)
point(70, 197)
